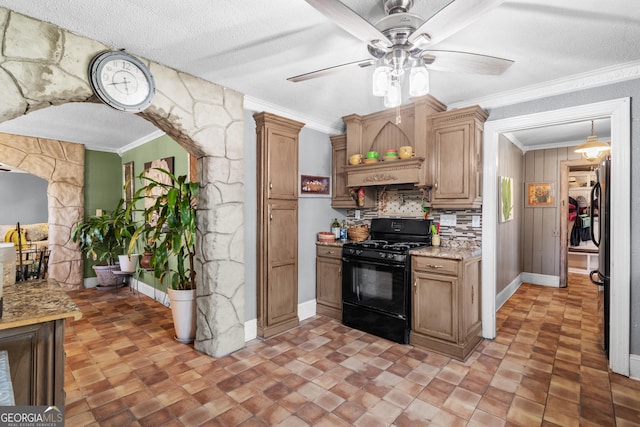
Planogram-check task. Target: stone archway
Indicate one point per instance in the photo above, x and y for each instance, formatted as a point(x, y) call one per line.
point(43, 65)
point(62, 165)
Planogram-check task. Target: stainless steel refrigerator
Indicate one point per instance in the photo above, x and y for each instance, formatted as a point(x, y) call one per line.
point(600, 205)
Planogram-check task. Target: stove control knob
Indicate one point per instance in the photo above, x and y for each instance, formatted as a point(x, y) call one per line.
point(358, 251)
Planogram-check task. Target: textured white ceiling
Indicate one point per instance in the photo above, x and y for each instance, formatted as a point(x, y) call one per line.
point(252, 46)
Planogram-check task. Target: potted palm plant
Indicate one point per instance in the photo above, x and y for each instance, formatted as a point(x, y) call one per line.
point(170, 230)
point(103, 238)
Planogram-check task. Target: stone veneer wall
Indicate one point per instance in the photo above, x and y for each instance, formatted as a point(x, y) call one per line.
point(62, 165)
point(43, 65)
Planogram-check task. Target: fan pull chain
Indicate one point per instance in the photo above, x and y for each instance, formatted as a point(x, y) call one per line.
point(398, 117)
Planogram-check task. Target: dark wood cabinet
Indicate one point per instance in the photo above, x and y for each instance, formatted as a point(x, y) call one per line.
point(36, 362)
point(329, 281)
point(277, 228)
point(446, 305)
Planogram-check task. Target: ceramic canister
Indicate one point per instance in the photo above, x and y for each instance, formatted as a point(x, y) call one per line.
point(355, 159)
point(372, 154)
point(406, 152)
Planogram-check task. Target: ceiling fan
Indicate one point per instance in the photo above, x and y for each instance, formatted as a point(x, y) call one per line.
point(403, 40)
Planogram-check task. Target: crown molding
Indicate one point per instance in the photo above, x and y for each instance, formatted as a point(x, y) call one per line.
point(255, 104)
point(601, 77)
point(140, 141)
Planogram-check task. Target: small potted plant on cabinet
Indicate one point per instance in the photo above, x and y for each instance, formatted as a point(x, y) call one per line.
point(170, 227)
point(103, 238)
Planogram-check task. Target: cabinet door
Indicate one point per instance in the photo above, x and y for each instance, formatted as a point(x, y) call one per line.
point(329, 286)
point(282, 165)
point(340, 197)
point(452, 163)
point(282, 264)
point(435, 305)
point(471, 303)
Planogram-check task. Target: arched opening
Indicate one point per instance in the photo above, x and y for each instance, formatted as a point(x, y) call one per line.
point(204, 118)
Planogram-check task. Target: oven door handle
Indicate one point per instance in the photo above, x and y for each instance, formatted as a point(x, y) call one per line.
point(346, 260)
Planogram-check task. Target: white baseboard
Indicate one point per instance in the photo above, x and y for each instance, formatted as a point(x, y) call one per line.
point(306, 310)
point(541, 279)
point(509, 290)
point(90, 282)
point(250, 330)
point(150, 291)
point(634, 366)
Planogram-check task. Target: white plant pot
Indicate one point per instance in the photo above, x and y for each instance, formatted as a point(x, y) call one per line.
point(128, 264)
point(183, 309)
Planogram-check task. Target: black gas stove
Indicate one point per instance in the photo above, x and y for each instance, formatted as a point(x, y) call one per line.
point(376, 277)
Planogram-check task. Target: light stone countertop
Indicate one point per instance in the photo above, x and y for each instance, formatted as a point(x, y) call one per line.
point(36, 301)
point(337, 243)
point(447, 252)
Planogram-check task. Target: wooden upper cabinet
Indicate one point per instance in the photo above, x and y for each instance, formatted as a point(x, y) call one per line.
point(340, 195)
point(278, 148)
point(456, 163)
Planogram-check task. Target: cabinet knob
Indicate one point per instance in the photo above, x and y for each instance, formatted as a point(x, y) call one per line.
point(435, 266)
point(415, 283)
point(270, 185)
point(270, 217)
point(435, 185)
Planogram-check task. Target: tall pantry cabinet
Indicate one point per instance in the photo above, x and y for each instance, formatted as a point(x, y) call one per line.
point(277, 243)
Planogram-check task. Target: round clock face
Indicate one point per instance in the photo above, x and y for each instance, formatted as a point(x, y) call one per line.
point(121, 81)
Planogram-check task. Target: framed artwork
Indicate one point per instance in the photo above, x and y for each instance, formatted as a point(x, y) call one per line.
point(315, 186)
point(129, 184)
point(540, 194)
point(151, 172)
point(506, 199)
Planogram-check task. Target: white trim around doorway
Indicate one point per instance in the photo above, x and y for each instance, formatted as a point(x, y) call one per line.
point(619, 110)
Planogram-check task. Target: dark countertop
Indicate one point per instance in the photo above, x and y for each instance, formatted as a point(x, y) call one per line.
point(36, 301)
point(447, 252)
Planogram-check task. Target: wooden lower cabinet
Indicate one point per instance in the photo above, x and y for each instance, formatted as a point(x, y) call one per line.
point(36, 362)
point(446, 305)
point(329, 281)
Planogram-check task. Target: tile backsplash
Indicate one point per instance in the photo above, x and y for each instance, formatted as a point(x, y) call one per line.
point(409, 204)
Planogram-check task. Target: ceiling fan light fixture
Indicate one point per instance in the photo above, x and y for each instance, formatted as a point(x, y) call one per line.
point(592, 149)
point(381, 80)
point(393, 97)
point(419, 81)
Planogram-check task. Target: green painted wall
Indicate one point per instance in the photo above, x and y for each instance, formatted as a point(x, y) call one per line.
point(158, 148)
point(102, 187)
point(102, 181)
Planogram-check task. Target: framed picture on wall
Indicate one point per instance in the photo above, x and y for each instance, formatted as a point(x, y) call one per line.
point(506, 199)
point(315, 186)
point(540, 194)
point(128, 180)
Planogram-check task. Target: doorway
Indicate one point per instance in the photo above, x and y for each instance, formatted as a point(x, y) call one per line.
point(577, 253)
point(619, 111)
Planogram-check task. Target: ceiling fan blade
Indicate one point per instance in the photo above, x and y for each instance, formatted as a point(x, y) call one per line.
point(350, 21)
point(331, 70)
point(453, 18)
point(445, 60)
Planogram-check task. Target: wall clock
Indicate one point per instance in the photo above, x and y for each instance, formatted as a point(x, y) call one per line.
point(121, 81)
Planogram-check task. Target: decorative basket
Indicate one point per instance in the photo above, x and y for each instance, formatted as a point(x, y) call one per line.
point(326, 236)
point(358, 233)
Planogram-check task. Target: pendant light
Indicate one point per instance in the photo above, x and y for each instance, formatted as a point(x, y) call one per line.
point(592, 149)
